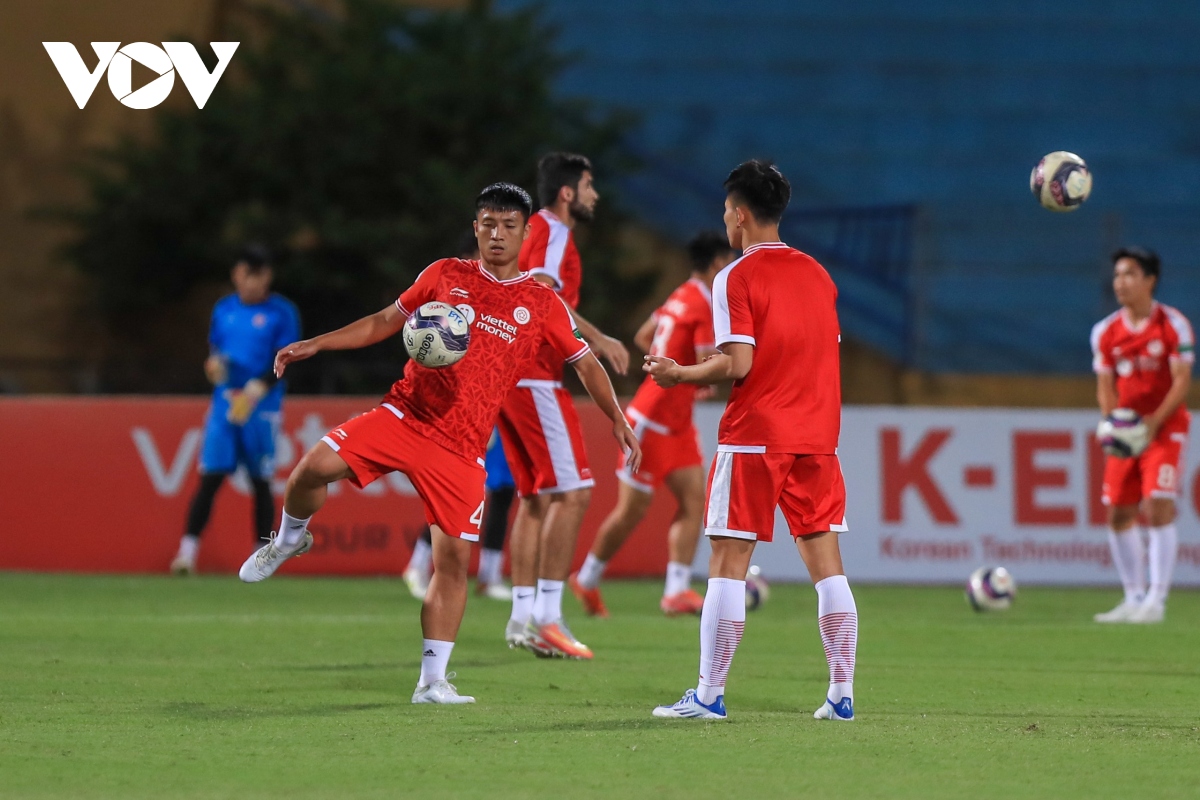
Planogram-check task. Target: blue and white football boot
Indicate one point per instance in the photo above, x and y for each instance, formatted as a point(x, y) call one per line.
point(842, 710)
point(690, 707)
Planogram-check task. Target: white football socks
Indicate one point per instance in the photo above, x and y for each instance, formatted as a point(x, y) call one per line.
point(1164, 544)
point(434, 660)
point(547, 605)
point(189, 546)
point(522, 608)
point(291, 531)
point(489, 565)
point(591, 572)
point(1129, 556)
point(721, 624)
point(679, 576)
point(422, 556)
point(837, 616)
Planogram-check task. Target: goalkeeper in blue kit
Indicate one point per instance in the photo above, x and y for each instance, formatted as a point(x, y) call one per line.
point(247, 329)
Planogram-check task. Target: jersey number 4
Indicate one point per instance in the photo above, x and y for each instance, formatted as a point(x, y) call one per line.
point(477, 517)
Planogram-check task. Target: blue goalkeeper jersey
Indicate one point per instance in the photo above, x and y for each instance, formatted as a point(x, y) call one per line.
point(247, 338)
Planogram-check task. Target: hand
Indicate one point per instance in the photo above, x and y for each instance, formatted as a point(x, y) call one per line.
point(705, 393)
point(614, 352)
point(296, 351)
point(243, 402)
point(1152, 428)
point(629, 443)
point(664, 370)
point(215, 370)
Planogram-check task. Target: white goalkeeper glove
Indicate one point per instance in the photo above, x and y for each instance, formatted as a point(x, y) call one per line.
point(1123, 434)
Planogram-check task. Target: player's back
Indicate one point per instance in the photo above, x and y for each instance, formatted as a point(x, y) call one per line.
point(783, 303)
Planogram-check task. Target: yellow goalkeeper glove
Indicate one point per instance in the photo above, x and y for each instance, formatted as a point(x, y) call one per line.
point(242, 402)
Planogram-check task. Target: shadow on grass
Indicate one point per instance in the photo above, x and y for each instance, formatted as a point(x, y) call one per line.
point(208, 712)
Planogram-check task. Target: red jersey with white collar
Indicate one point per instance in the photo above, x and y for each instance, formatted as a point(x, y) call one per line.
point(1141, 356)
point(549, 250)
point(511, 321)
point(684, 325)
point(783, 303)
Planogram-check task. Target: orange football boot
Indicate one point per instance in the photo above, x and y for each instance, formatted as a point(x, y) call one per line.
point(685, 602)
point(555, 640)
point(592, 602)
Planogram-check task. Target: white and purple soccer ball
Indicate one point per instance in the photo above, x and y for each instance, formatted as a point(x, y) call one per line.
point(991, 589)
point(757, 588)
point(1123, 434)
point(437, 335)
point(1061, 181)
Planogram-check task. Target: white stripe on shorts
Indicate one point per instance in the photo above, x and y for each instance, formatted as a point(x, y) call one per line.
point(718, 494)
point(558, 438)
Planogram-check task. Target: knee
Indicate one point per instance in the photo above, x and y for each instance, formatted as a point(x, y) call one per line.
point(1120, 518)
point(577, 499)
point(452, 560)
point(1162, 512)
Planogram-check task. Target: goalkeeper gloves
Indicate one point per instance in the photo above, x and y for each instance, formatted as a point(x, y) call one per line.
point(242, 402)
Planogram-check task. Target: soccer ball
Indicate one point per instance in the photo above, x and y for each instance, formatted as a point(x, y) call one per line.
point(757, 589)
point(991, 589)
point(1122, 434)
point(1061, 181)
point(436, 335)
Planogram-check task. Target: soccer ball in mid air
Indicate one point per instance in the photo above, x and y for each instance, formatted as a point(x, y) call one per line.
point(1061, 181)
point(436, 335)
point(757, 589)
point(1123, 434)
point(991, 589)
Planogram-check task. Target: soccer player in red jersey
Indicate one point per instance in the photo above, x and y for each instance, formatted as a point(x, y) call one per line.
point(434, 424)
point(540, 427)
point(662, 419)
point(775, 318)
point(1143, 355)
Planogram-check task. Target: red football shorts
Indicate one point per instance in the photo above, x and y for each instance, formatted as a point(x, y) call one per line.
point(663, 452)
point(745, 487)
point(543, 439)
point(450, 486)
point(1155, 473)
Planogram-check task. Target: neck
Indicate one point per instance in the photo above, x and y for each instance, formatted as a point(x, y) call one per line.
point(501, 271)
point(759, 234)
point(253, 299)
point(563, 212)
point(1140, 310)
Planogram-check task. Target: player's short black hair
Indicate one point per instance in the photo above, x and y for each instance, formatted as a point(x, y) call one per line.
point(705, 246)
point(761, 187)
point(255, 255)
point(1148, 260)
point(556, 170)
point(504, 197)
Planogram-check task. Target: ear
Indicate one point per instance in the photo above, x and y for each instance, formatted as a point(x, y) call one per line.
point(566, 194)
point(742, 215)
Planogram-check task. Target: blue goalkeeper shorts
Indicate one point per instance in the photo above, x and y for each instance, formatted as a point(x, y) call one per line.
point(499, 476)
point(226, 445)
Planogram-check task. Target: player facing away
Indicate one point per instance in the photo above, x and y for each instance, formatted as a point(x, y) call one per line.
point(776, 325)
point(662, 419)
point(1143, 355)
point(247, 328)
point(540, 426)
point(434, 423)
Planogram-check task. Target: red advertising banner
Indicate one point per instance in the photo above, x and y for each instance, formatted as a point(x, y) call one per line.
point(103, 485)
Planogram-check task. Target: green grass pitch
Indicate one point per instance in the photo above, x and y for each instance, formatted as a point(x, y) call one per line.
point(149, 687)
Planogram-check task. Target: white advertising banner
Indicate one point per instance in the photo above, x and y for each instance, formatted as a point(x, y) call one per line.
point(934, 493)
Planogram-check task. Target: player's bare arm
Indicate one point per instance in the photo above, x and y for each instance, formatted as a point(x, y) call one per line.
point(731, 364)
point(596, 381)
point(644, 337)
point(361, 333)
point(1181, 381)
point(1106, 392)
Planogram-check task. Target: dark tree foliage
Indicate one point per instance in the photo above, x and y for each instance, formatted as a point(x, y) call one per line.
point(354, 146)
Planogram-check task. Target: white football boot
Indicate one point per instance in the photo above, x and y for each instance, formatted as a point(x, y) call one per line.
point(183, 565)
point(690, 707)
point(441, 692)
point(841, 711)
point(417, 581)
point(270, 557)
point(514, 635)
point(1148, 612)
point(1122, 613)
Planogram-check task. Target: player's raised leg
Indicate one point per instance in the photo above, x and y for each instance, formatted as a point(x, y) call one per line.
point(631, 507)
point(307, 488)
point(441, 616)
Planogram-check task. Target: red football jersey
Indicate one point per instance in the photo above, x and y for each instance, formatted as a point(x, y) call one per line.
point(1141, 356)
point(784, 303)
point(550, 250)
point(510, 320)
point(684, 326)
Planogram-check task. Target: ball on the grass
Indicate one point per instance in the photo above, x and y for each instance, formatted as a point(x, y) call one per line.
point(991, 589)
point(757, 588)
